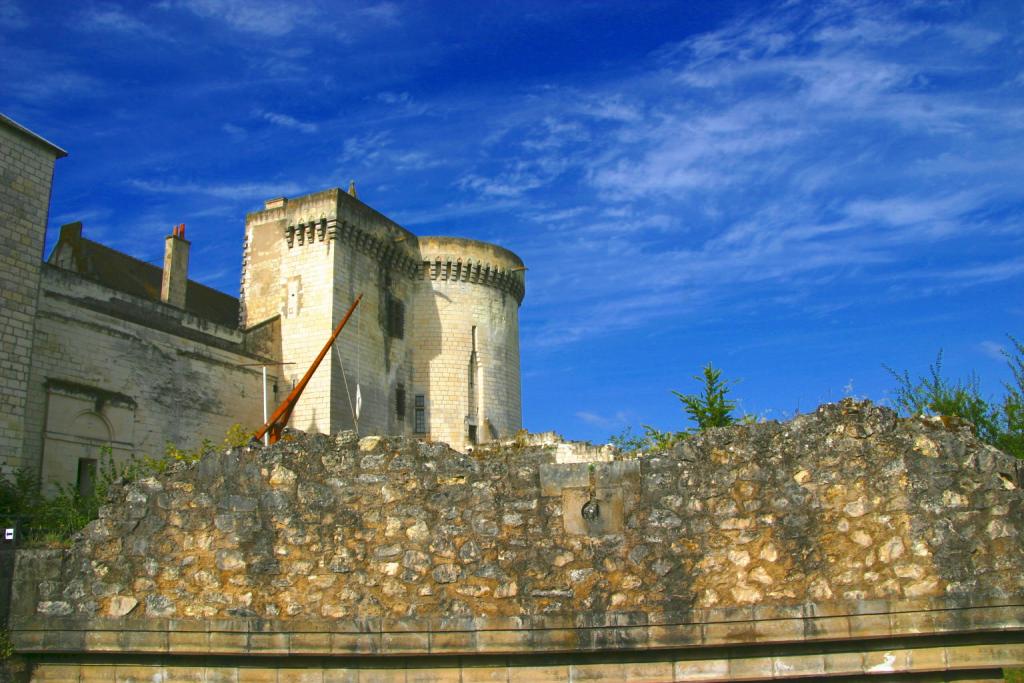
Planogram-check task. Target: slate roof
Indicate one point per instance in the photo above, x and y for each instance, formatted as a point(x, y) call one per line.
point(127, 274)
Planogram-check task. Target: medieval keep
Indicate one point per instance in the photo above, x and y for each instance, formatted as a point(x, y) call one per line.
point(108, 351)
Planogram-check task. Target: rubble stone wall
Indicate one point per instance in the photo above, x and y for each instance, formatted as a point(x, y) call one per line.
point(846, 504)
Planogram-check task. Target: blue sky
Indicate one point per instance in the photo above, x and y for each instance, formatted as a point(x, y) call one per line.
point(798, 192)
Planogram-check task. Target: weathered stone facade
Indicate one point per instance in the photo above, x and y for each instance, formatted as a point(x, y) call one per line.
point(26, 172)
point(130, 357)
point(843, 524)
point(141, 374)
point(434, 345)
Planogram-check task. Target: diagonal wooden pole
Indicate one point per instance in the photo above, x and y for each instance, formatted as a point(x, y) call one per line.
point(276, 423)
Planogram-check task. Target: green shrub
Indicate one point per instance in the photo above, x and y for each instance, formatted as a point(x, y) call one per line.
point(52, 520)
point(628, 442)
point(651, 440)
point(6, 649)
point(997, 422)
point(710, 408)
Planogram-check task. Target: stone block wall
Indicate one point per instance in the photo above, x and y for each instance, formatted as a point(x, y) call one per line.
point(937, 640)
point(294, 281)
point(137, 373)
point(467, 312)
point(308, 258)
point(373, 356)
point(846, 505)
point(26, 172)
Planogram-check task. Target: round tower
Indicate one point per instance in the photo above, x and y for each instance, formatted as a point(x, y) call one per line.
point(466, 372)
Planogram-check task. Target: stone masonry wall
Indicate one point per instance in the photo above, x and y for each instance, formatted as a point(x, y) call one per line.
point(26, 171)
point(371, 356)
point(152, 372)
point(846, 504)
point(457, 312)
point(307, 259)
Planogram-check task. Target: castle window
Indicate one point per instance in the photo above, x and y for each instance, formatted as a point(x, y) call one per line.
point(400, 401)
point(395, 317)
point(293, 297)
point(472, 365)
point(86, 484)
point(420, 415)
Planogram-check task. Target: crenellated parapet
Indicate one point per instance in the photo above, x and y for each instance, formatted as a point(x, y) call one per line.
point(475, 272)
point(389, 252)
point(456, 259)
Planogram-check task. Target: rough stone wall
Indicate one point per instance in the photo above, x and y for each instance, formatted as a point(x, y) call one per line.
point(848, 503)
point(148, 372)
point(458, 312)
point(26, 172)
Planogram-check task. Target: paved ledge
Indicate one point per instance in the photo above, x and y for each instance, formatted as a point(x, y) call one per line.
point(917, 661)
point(580, 633)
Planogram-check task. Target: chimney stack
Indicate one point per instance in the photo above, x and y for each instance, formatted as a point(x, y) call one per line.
point(175, 281)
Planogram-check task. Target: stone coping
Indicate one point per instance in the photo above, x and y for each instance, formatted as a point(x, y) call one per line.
point(585, 632)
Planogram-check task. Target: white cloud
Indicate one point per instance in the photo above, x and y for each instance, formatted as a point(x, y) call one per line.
point(277, 19)
point(286, 121)
point(993, 350)
point(254, 16)
point(113, 18)
point(618, 420)
point(58, 84)
point(771, 160)
point(388, 97)
point(386, 13)
point(235, 191)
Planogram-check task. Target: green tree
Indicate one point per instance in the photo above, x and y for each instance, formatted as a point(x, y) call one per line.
point(711, 407)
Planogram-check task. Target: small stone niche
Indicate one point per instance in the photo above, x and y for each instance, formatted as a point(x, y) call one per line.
point(594, 514)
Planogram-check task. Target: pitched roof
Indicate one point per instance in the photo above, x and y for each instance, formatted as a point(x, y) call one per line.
point(127, 274)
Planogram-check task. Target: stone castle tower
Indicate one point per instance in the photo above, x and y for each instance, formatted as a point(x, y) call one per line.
point(110, 354)
point(434, 346)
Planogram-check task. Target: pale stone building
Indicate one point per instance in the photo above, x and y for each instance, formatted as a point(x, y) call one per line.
point(117, 353)
point(26, 171)
point(434, 346)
